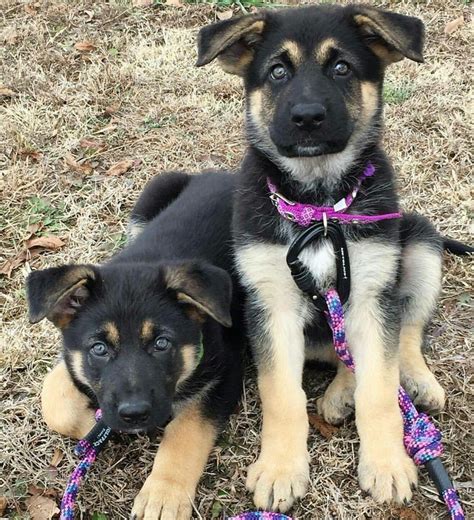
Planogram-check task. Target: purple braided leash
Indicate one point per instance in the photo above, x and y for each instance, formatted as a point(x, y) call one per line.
point(87, 448)
point(259, 515)
point(421, 437)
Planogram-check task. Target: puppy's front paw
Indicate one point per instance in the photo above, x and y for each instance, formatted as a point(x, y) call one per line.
point(389, 477)
point(276, 484)
point(426, 392)
point(161, 499)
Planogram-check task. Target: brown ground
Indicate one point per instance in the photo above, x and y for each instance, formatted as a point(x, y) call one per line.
point(169, 114)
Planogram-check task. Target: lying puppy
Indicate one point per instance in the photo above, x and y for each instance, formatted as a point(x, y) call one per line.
point(313, 78)
point(146, 335)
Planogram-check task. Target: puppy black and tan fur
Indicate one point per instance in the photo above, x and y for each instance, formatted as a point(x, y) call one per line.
point(313, 78)
point(146, 335)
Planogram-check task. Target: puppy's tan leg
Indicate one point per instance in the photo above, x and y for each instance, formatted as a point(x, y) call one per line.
point(65, 409)
point(337, 402)
point(168, 492)
point(417, 379)
point(385, 470)
point(281, 473)
point(419, 288)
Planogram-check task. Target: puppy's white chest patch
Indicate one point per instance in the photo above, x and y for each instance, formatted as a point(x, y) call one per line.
point(321, 262)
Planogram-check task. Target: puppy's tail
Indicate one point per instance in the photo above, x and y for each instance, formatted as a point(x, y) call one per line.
point(457, 248)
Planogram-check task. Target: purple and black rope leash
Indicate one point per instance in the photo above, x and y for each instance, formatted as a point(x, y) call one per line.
point(421, 437)
point(88, 448)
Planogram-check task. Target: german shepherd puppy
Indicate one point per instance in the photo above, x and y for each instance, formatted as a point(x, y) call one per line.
point(313, 78)
point(146, 335)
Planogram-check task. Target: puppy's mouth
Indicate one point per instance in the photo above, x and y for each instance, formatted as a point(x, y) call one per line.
point(309, 149)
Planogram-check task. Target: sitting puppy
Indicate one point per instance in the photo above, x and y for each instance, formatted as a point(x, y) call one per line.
point(146, 335)
point(313, 78)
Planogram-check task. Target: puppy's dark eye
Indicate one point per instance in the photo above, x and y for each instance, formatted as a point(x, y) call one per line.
point(99, 349)
point(162, 344)
point(342, 68)
point(278, 72)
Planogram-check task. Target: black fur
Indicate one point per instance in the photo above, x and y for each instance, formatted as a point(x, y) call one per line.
point(183, 250)
point(313, 80)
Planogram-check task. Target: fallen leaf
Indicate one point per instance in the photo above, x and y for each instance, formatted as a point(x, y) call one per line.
point(174, 3)
point(41, 508)
point(57, 457)
point(225, 15)
point(32, 249)
point(7, 92)
point(406, 513)
point(112, 109)
point(39, 491)
point(454, 25)
point(49, 242)
point(75, 166)
point(142, 3)
point(325, 429)
point(120, 168)
point(92, 143)
point(32, 9)
point(85, 46)
point(3, 505)
point(12, 263)
point(33, 229)
point(32, 154)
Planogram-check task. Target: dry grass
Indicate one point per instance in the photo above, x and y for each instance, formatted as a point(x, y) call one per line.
point(172, 115)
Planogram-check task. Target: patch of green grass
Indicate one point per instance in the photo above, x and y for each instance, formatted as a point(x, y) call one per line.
point(397, 94)
point(216, 509)
point(99, 516)
point(150, 123)
point(52, 217)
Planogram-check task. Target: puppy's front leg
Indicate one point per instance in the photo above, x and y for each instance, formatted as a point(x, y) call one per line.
point(168, 492)
point(65, 409)
point(281, 473)
point(373, 325)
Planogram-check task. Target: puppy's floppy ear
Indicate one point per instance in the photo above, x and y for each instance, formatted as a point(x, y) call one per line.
point(232, 41)
point(59, 292)
point(391, 36)
point(204, 286)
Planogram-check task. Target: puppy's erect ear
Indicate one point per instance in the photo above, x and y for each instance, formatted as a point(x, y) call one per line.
point(58, 293)
point(232, 41)
point(391, 36)
point(204, 286)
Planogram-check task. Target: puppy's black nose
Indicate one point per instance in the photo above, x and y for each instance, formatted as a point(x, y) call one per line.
point(135, 413)
point(308, 116)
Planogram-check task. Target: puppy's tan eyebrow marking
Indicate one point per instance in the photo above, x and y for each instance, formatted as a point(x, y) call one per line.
point(112, 333)
point(147, 331)
point(323, 50)
point(293, 50)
